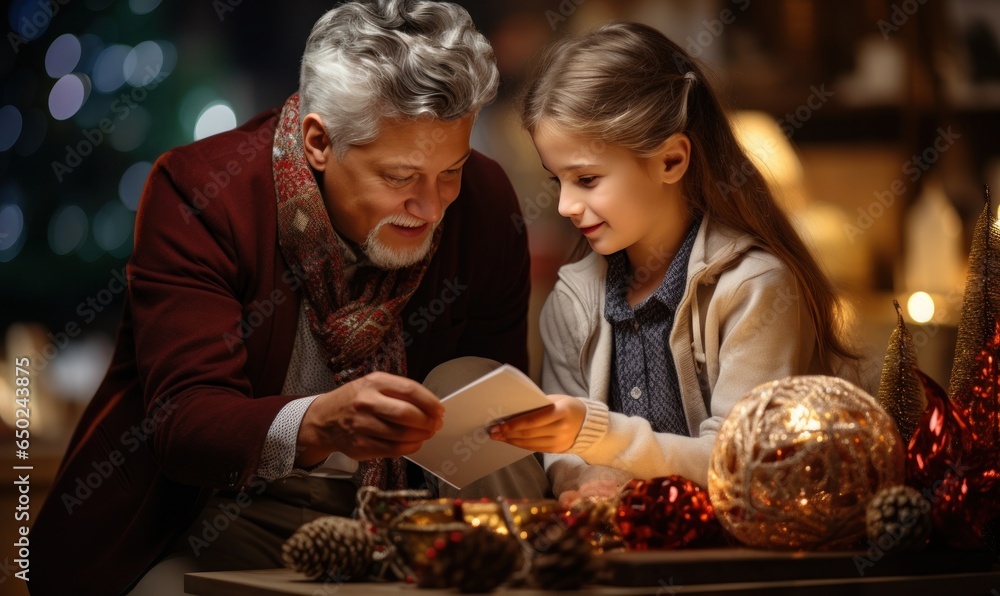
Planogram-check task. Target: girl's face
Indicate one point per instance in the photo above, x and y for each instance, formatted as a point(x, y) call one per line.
point(616, 199)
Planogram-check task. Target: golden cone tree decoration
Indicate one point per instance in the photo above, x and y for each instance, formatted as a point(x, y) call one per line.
point(900, 392)
point(980, 308)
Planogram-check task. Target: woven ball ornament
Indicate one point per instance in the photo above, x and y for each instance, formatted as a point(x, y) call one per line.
point(797, 460)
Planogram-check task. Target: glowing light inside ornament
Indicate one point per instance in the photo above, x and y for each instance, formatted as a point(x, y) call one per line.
point(921, 307)
point(802, 419)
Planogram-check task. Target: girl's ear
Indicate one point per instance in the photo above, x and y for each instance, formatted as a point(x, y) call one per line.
point(316, 144)
point(673, 158)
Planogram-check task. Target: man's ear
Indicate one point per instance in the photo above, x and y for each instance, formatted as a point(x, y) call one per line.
point(673, 158)
point(316, 144)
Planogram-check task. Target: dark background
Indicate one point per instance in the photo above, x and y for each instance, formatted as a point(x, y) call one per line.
point(899, 71)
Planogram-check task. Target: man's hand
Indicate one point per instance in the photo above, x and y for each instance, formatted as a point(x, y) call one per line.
point(378, 415)
point(552, 429)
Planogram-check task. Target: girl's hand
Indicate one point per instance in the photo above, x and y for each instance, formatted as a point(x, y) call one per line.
point(568, 497)
point(603, 489)
point(552, 429)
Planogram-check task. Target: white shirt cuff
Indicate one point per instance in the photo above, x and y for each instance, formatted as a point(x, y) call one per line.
point(277, 459)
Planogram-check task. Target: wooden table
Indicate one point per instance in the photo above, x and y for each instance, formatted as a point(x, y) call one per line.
point(710, 571)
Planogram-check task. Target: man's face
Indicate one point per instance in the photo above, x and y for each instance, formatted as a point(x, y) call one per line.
point(389, 195)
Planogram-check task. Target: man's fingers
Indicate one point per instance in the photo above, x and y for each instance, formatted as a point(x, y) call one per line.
point(407, 390)
point(401, 413)
point(388, 431)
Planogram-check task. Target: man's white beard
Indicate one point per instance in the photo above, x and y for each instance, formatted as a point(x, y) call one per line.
point(386, 257)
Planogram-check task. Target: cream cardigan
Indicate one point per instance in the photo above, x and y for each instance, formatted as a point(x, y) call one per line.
point(740, 323)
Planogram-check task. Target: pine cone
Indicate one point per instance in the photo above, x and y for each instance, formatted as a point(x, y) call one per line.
point(476, 561)
point(898, 518)
point(330, 547)
point(564, 558)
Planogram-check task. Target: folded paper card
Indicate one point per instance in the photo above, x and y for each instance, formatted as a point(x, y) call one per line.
point(462, 451)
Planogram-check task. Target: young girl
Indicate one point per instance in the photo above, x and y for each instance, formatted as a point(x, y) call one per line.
point(698, 288)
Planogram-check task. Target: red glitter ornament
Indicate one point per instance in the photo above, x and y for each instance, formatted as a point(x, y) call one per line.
point(954, 456)
point(665, 513)
point(979, 404)
point(938, 442)
point(968, 499)
point(972, 498)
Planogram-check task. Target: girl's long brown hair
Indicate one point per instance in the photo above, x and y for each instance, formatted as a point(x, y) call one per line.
point(628, 85)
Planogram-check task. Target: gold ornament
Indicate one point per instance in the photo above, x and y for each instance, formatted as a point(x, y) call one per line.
point(596, 518)
point(900, 392)
point(379, 507)
point(502, 516)
point(429, 524)
point(797, 460)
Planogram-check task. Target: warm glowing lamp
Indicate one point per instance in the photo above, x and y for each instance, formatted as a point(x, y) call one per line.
point(821, 225)
point(921, 307)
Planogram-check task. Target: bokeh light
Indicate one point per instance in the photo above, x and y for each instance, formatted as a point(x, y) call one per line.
point(63, 55)
point(143, 64)
point(109, 69)
point(132, 182)
point(113, 225)
point(11, 231)
point(169, 52)
point(67, 229)
point(91, 47)
point(29, 18)
point(67, 96)
point(215, 118)
point(193, 104)
point(77, 371)
point(921, 307)
point(143, 6)
point(10, 126)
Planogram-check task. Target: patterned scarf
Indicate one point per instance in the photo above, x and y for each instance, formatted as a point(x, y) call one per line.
point(359, 324)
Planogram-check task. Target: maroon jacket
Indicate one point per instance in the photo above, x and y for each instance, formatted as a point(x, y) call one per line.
point(204, 344)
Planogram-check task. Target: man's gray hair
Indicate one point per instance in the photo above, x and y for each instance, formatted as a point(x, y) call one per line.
point(369, 60)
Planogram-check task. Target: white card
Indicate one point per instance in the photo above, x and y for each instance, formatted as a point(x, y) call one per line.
point(462, 451)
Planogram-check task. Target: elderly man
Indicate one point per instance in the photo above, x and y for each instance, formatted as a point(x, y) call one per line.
point(289, 280)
